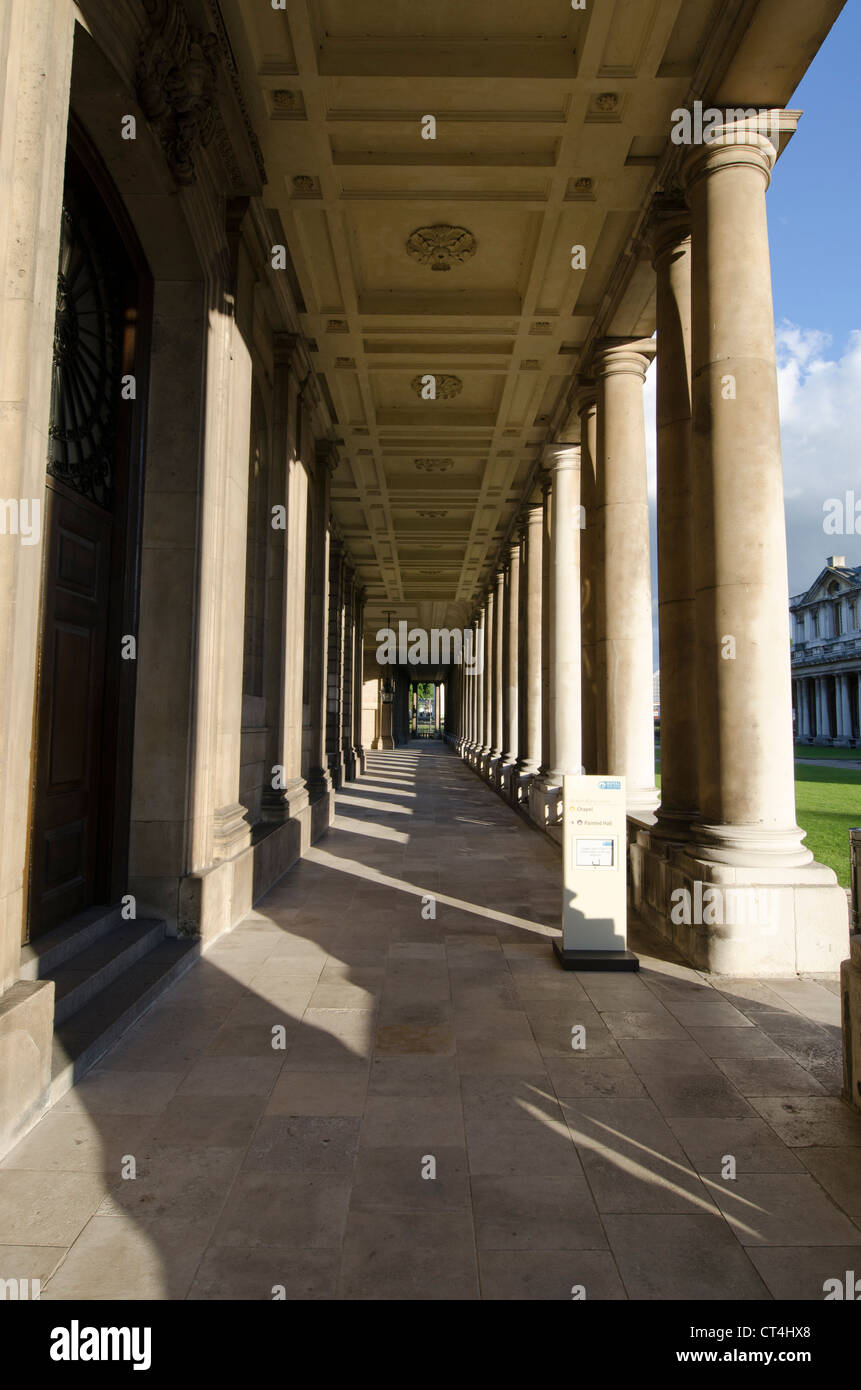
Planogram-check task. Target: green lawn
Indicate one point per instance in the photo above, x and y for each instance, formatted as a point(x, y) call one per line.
point(828, 803)
point(805, 750)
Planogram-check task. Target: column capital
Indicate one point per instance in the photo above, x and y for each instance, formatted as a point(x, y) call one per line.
point(586, 396)
point(625, 356)
point(560, 457)
point(513, 551)
point(669, 224)
point(736, 144)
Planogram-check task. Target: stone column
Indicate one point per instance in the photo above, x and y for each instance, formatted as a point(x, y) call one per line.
point(487, 682)
point(348, 755)
point(319, 779)
point(823, 711)
point(512, 607)
point(589, 568)
point(479, 661)
point(531, 753)
point(290, 800)
point(335, 664)
point(546, 618)
point(747, 793)
point(624, 635)
point(563, 463)
point(36, 39)
point(803, 728)
point(844, 712)
point(478, 691)
point(386, 710)
point(498, 700)
point(676, 598)
point(746, 832)
point(565, 656)
point(358, 680)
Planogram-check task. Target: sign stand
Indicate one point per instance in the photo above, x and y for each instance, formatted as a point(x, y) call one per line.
point(594, 856)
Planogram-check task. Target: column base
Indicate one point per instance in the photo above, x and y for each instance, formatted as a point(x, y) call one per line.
point(318, 784)
point(385, 741)
point(492, 769)
point(26, 1036)
point(232, 831)
point(545, 801)
point(749, 845)
point(850, 990)
point(279, 806)
point(675, 829)
point(521, 781)
point(507, 779)
point(740, 919)
point(643, 803)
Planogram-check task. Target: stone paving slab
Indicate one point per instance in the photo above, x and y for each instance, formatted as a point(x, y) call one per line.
point(367, 1090)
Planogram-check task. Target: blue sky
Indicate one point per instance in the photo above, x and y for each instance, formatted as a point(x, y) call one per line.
point(814, 217)
point(814, 203)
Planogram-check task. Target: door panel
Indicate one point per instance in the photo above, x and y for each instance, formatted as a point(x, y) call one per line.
point(65, 870)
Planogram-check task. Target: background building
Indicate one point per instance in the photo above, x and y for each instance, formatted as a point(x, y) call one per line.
point(825, 628)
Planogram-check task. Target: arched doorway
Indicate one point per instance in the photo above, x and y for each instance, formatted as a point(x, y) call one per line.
point(91, 554)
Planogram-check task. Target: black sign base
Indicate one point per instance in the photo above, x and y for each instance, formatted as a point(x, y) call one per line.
point(595, 960)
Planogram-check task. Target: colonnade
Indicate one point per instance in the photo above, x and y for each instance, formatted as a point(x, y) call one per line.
point(828, 708)
point(565, 624)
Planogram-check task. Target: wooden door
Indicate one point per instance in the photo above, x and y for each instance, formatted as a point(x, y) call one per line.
point(85, 686)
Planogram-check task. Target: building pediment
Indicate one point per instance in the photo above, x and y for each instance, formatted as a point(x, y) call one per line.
point(831, 581)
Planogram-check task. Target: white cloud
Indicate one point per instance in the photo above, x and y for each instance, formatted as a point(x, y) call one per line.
point(820, 422)
point(820, 416)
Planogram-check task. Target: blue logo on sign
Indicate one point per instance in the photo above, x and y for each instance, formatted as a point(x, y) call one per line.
point(610, 786)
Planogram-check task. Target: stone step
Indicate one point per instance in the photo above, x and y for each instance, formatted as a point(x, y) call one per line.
point(84, 1037)
point(80, 978)
point(44, 955)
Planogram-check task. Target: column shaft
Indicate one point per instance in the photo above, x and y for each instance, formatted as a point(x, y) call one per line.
point(746, 768)
point(512, 611)
point(624, 637)
point(534, 586)
point(676, 596)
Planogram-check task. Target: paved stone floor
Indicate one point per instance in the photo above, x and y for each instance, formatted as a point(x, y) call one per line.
point(410, 1040)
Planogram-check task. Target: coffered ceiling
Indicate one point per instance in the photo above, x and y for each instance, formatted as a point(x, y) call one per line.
point(451, 257)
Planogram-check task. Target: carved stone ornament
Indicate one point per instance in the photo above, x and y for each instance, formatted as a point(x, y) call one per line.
point(434, 465)
point(441, 246)
point(446, 386)
point(176, 85)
